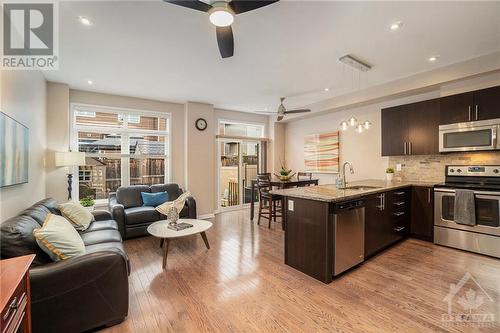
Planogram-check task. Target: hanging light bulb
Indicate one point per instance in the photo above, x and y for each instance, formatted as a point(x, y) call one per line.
point(367, 124)
point(359, 128)
point(344, 126)
point(353, 121)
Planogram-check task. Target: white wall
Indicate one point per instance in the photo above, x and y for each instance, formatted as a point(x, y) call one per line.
point(23, 97)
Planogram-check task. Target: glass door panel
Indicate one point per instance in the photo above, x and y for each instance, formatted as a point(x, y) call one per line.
point(250, 168)
point(229, 173)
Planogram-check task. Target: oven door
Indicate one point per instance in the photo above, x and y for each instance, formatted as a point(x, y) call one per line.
point(467, 137)
point(487, 211)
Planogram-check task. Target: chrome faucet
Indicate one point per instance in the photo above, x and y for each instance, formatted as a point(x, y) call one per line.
point(351, 170)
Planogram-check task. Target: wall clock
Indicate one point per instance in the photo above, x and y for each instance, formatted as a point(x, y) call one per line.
point(201, 124)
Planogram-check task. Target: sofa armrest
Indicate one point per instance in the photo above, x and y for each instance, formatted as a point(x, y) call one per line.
point(118, 213)
point(101, 215)
point(94, 284)
point(191, 204)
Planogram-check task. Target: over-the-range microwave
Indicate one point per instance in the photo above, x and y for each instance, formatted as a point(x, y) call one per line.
point(469, 136)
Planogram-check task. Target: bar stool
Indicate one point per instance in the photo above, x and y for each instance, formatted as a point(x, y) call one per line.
point(269, 204)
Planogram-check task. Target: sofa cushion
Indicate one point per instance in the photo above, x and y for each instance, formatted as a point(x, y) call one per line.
point(16, 239)
point(59, 239)
point(51, 204)
point(140, 215)
point(172, 190)
point(102, 225)
point(37, 212)
point(131, 196)
point(79, 216)
point(101, 236)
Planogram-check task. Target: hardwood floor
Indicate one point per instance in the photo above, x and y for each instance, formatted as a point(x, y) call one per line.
point(242, 285)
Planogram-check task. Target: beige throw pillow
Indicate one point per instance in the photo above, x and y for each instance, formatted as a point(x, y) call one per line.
point(59, 239)
point(177, 203)
point(78, 215)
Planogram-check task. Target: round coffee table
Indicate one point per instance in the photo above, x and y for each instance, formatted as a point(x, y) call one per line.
point(161, 230)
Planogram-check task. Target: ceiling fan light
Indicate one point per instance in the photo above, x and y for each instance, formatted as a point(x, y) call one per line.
point(221, 16)
point(353, 121)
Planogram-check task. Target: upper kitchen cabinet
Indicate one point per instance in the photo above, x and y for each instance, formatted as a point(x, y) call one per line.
point(487, 103)
point(411, 129)
point(456, 108)
point(395, 130)
point(471, 106)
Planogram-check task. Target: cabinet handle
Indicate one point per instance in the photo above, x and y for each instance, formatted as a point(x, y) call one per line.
point(470, 111)
point(381, 205)
point(404, 149)
point(400, 203)
point(398, 229)
point(409, 148)
point(399, 193)
point(429, 195)
point(12, 307)
point(399, 213)
point(383, 200)
point(477, 112)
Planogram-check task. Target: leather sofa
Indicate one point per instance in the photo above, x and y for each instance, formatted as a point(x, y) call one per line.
point(133, 218)
point(78, 294)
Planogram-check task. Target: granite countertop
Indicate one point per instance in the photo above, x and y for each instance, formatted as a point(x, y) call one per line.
point(330, 193)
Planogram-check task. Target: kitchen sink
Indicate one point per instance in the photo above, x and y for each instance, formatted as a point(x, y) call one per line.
point(360, 187)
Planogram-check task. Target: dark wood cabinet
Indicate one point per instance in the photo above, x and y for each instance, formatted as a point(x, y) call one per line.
point(395, 130)
point(422, 213)
point(411, 129)
point(456, 108)
point(487, 103)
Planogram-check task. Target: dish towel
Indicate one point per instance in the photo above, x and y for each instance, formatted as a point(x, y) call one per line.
point(465, 207)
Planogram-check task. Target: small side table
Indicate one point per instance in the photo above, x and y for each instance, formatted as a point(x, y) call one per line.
point(15, 299)
point(161, 230)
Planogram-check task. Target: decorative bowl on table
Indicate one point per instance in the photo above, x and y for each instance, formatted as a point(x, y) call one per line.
point(285, 178)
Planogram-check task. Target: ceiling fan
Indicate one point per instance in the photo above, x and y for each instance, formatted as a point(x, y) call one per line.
point(221, 14)
point(282, 111)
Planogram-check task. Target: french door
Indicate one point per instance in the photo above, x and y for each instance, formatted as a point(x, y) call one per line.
point(239, 163)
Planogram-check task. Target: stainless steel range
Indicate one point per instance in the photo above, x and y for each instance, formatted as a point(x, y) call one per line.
point(482, 234)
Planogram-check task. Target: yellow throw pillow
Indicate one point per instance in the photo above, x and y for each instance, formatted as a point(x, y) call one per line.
point(58, 238)
point(177, 203)
point(77, 215)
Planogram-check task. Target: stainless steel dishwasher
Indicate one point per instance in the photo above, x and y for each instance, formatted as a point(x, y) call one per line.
point(349, 235)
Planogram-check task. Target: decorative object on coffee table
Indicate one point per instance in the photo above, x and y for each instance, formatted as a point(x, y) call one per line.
point(161, 230)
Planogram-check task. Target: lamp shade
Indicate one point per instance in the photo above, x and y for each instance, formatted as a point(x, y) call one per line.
point(70, 158)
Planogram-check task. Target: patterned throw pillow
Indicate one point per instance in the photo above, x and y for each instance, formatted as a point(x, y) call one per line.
point(58, 238)
point(78, 215)
point(177, 203)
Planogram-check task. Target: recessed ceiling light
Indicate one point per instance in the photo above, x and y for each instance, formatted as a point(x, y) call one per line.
point(85, 20)
point(90, 82)
point(326, 89)
point(396, 25)
point(433, 58)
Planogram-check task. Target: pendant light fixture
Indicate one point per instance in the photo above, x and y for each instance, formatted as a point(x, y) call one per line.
point(354, 123)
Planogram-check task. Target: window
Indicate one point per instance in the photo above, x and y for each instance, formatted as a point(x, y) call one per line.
point(123, 147)
point(240, 129)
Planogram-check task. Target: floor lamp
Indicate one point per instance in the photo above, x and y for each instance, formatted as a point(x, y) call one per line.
point(69, 159)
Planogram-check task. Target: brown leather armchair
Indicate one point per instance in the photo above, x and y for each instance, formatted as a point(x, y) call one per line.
point(77, 294)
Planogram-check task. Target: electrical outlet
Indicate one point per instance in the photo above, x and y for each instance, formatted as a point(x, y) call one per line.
point(290, 205)
point(399, 167)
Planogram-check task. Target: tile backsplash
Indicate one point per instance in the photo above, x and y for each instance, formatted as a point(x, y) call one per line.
point(430, 168)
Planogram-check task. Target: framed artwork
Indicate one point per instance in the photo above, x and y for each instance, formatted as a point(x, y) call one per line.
point(14, 151)
point(321, 152)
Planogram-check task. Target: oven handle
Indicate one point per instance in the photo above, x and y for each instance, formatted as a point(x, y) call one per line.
point(446, 190)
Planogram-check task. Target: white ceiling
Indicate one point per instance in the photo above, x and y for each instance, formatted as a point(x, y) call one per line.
point(157, 50)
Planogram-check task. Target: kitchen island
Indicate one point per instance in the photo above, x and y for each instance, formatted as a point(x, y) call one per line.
point(318, 242)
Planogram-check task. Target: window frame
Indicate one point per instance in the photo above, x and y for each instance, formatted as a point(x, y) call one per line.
point(125, 133)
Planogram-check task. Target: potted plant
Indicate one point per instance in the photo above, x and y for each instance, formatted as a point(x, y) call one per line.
point(284, 174)
point(88, 203)
point(389, 174)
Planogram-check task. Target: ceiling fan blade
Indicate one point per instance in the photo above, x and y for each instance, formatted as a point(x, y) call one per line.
point(193, 4)
point(297, 111)
point(225, 41)
point(241, 6)
point(265, 112)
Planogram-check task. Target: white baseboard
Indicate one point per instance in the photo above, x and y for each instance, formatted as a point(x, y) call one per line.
point(206, 216)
